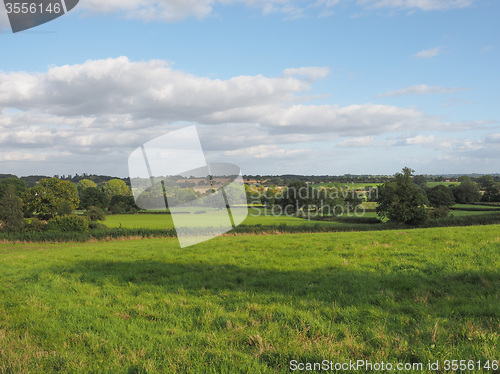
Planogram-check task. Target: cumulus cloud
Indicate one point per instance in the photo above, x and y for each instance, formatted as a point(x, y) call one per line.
point(422, 89)
point(95, 113)
point(428, 53)
point(267, 151)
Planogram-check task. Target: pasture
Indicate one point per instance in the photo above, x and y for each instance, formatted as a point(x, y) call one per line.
point(240, 304)
point(257, 216)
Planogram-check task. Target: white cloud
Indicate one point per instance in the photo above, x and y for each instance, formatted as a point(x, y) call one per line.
point(267, 151)
point(422, 89)
point(362, 141)
point(417, 4)
point(18, 156)
point(96, 112)
point(309, 73)
point(428, 53)
point(421, 140)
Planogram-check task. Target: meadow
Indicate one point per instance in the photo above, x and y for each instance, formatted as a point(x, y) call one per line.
point(257, 216)
point(253, 303)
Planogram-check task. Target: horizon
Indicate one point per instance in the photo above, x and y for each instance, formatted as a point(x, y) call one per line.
point(283, 87)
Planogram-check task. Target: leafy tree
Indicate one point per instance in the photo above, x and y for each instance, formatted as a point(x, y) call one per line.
point(123, 204)
point(420, 180)
point(401, 200)
point(66, 208)
point(467, 192)
point(19, 186)
point(464, 178)
point(440, 196)
point(11, 211)
point(295, 196)
point(95, 214)
point(84, 184)
point(490, 187)
point(116, 187)
point(51, 197)
point(93, 196)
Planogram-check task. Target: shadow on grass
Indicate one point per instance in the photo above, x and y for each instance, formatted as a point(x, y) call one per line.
point(470, 293)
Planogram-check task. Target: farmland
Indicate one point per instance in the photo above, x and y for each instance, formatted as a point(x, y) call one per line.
point(259, 216)
point(250, 303)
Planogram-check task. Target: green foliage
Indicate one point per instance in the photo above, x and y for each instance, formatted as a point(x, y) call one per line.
point(11, 211)
point(95, 214)
point(51, 197)
point(441, 211)
point(65, 208)
point(122, 204)
point(490, 187)
point(34, 224)
point(441, 196)
point(19, 186)
point(401, 200)
point(116, 187)
point(93, 196)
point(467, 192)
point(68, 224)
point(85, 183)
point(420, 180)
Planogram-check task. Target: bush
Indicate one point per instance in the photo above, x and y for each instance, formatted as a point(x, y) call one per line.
point(440, 212)
point(95, 214)
point(11, 211)
point(68, 224)
point(34, 225)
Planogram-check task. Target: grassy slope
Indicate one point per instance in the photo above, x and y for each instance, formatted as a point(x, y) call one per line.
point(250, 303)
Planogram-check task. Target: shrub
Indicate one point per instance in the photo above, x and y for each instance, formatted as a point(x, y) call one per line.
point(95, 214)
point(34, 224)
point(11, 211)
point(440, 212)
point(68, 224)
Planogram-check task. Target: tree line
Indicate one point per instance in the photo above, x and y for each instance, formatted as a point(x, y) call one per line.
point(53, 198)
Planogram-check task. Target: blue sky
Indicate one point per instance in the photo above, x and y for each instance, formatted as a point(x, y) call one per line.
point(277, 86)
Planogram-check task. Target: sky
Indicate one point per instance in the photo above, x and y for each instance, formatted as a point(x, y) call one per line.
point(319, 87)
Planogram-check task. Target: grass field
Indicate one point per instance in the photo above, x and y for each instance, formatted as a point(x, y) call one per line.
point(474, 206)
point(259, 217)
point(357, 186)
point(256, 216)
point(250, 304)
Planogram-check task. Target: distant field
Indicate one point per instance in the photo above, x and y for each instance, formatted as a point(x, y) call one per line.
point(251, 304)
point(261, 217)
point(355, 186)
point(459, 213)
point(362, 186)
point(473, 206)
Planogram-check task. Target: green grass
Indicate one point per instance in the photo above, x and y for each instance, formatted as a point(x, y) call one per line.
point(250, 304)
point(353, 186)
point(475, 206)
point(460, 213)
point(154, 221)
point(257, 216)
